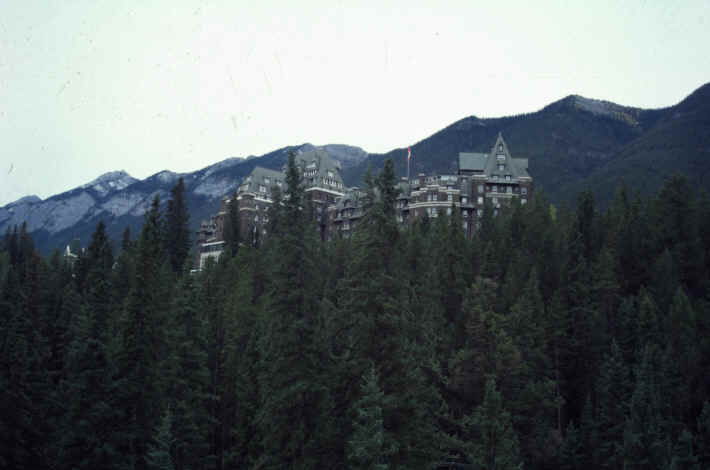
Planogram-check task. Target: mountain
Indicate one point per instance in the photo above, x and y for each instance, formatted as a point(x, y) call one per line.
point(571, 144)
point(121, 200)
point(575, 143)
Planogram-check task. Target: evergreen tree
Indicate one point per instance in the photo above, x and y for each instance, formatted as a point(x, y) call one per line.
point(571, 449)
point(292, 392)
point(177, 231)
point(232, 227)
point(702, 438)
point(368, 447)
point(142, 343)
point(189, 388)
point(160, 449)
point(613, 388)
point(493, 443)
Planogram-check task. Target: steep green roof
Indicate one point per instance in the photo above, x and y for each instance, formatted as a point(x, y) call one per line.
point(470, 161)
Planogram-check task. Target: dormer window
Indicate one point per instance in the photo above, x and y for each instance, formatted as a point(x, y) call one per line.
point(500, 147)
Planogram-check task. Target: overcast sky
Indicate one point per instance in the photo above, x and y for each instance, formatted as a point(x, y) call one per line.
point(88, 87)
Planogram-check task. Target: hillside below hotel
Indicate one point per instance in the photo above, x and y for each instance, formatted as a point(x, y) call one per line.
point(494, 178)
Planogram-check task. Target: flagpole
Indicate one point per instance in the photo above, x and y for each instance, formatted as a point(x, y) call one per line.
point(409, 181)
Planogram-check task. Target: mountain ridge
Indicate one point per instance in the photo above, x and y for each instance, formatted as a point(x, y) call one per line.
point(571, 144)
point(121, 200)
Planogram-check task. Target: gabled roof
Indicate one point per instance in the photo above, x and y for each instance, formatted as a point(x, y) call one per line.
point(321, 161)
point(260, 176)
point(470, 161)
point(488, 163)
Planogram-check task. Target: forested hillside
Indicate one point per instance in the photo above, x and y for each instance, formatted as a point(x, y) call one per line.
point(578, 143)
point(554, 338)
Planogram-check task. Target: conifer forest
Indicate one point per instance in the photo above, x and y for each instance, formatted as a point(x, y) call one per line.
point(555, 338)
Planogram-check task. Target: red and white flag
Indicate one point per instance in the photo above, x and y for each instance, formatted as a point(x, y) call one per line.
point(409, 153)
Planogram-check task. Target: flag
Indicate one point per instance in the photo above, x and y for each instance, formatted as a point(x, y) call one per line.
point(409, 153)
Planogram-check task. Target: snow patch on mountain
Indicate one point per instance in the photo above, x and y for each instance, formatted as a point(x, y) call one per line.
point(213, 187)
point(111, 181)
point(144, 204)
point(222, 165)
point(52, 215)
point(122, 203)
point(166, 176)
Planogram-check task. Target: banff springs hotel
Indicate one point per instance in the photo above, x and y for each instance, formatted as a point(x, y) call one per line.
point(495, 176)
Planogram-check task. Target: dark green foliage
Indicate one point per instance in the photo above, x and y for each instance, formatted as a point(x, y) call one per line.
point(177, 227)
point(232, 228)
point(493, 443)
point(553, 338)
point(368, 448)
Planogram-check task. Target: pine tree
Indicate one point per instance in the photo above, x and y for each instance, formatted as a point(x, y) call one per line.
point(683, 455)
point(702, 438)
point(292, 392)
point(177, 227)
point(613, 388)
point(647, 444)
point(189, 386)
point(232, 227)
point(571, 449)
point(493, 443)
point(368, 447)
point(159, 457)
point(142, 341)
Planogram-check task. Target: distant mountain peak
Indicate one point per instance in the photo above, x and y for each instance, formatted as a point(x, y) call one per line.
point(111, 181)
point(626, 114)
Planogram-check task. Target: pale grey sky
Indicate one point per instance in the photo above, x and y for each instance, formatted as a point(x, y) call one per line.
point(88, 87)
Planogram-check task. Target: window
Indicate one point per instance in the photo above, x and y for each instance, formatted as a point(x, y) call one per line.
point(523, 201)
point(262, 188)
point(266, 180)
point(495, 189)
point(500, 147)
point(523, 190)
point(495, 200)
point(480, 199)
point(465, 224)
point(450, 197)
point(501, 167)
point(507, 177)
point(464, 200)
point(509, 190)
point(480, 188)
point(448, 211)
point(330, 174)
